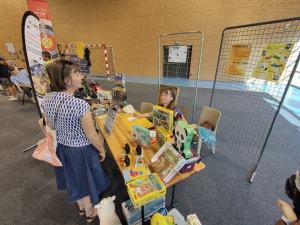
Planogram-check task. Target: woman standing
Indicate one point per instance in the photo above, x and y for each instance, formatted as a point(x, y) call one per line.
point(78, 145)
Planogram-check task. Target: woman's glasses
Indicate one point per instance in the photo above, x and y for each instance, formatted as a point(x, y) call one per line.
point(62, 68)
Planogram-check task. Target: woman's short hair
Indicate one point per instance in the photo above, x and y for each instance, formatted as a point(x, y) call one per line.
point(60, 69)
point(171, 91)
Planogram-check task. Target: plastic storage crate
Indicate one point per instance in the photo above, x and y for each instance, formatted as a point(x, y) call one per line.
point(189, 166)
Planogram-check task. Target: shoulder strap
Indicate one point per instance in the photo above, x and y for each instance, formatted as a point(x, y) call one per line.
point(59, 108)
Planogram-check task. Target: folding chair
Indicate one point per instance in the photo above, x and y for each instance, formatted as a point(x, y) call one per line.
point(212, 116)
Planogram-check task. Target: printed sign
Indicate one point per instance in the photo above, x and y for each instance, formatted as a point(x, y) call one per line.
point(177, 54)
point(109, 122)
point(10, 48)
point(238, 59)
point(273, 59)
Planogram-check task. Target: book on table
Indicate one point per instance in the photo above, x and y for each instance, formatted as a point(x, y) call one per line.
point(141, 135)
point(162, 136)
point(145, 189)
point(167, 162)
point(134, 216)
point(135, 173)
point(163, 117)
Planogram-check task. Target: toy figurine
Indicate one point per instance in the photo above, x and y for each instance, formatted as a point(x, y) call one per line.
point(138, 150)
point(126, 161)
point(127, 148)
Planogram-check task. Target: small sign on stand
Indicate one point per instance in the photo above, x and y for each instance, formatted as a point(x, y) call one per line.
point(109, 122)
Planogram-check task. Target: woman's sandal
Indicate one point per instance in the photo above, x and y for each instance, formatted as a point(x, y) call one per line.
point(82, 212)
point(90, 218)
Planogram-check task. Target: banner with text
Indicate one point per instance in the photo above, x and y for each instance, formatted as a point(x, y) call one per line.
point(33, 56)
point(40, 8)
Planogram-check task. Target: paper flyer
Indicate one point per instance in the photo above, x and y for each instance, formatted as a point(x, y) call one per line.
point(272, 61)
point(238, 59)
point(177, 54)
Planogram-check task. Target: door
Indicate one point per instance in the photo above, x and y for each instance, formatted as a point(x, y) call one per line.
point(177, 68)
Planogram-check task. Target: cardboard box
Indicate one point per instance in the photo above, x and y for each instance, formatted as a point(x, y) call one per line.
point(162, 136)
point(163, 117)
point(141, 135)
point(135, 173)
point(134, 216)
point(192, 219)
point(145, 189)
point(167, 162)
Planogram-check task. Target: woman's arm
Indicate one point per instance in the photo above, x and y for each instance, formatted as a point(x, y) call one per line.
point(91, 134)
point(143, 115)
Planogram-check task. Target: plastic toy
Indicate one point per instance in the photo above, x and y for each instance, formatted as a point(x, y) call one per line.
point(183, 137)
point(158, 219)
point(106, 212)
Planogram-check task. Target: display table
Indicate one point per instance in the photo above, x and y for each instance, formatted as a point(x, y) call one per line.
point(121, 134)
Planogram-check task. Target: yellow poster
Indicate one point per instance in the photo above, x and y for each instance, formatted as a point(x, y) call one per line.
point(272, 61)
point(238, 59)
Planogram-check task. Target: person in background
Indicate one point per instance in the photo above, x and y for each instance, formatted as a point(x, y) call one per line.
point(78, 145)
point(167, 100)
point(5, 80)
point(47, 58)
point(5, 93)
point(47, 61)
point(22, 79)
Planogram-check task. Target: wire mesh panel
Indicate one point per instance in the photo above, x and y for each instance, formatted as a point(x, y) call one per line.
point(255, 66)
point(179, 59)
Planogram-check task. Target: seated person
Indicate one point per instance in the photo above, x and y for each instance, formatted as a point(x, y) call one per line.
point(5, 80)
point(21, 79)
point(167, 99)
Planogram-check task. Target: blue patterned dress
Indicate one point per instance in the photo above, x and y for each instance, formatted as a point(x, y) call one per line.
point(81, 174)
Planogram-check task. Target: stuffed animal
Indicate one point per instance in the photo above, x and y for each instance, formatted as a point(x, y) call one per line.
point(106, 212)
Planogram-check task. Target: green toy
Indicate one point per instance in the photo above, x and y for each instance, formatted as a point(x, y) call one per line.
point(183, 138)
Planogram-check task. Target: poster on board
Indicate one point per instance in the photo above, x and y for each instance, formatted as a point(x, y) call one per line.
point(177, 54)
point(33, 56)
point(272, 61)
point(10, 48)
point(238, 59)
